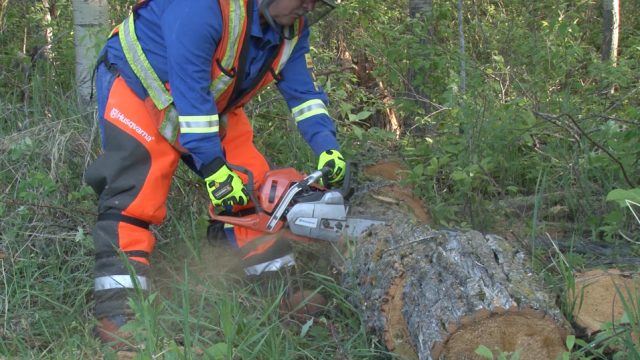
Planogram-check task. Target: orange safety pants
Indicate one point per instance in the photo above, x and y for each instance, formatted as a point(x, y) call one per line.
point(132, 178)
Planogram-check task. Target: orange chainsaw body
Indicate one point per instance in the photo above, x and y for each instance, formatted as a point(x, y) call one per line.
point(275, 185)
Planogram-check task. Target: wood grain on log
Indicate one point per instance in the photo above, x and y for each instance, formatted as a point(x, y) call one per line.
point(597, 297)
point(430, 293)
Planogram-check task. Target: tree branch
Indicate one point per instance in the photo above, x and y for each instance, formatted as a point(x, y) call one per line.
point(615, 159)
point(554, 119)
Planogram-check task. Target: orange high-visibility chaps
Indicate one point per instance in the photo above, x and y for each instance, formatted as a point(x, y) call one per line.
point(132, 178)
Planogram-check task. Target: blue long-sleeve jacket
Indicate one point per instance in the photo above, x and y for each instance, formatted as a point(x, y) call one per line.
point(180, 37)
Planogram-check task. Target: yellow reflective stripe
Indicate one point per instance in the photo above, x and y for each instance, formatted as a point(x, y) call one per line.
point(199, 124)
point(141, 66)
point(169, 127)
point(228, 226)
point(220, 85)
point(308, 109)
point(237, 20)
point(312, 113)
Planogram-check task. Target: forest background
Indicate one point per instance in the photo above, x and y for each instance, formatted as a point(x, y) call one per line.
point(516, 117)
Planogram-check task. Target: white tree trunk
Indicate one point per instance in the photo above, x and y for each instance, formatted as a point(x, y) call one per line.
point(49, 12)
point(463, 73)
point(611, 28)
point(421, 9)
point(90, 18)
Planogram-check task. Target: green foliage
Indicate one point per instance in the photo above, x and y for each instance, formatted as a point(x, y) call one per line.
point(624, 197)
point(45, 246)
point(527, 62)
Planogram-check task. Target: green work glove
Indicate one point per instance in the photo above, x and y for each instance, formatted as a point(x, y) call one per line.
point(334, 161)
point(225, 187)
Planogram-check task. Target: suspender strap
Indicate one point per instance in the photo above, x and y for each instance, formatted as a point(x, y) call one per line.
point(272, 68)
point(103, 59)
point(141, 66)
point(238, 18)
point(123, 218)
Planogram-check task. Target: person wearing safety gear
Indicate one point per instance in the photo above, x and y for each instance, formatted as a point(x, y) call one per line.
point(171, 84)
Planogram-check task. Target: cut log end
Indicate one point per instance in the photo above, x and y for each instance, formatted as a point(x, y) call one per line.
point(597, 299)
point(532, 333)
point(432, 294)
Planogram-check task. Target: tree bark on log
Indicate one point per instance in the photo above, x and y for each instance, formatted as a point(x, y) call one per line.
point(432, 294)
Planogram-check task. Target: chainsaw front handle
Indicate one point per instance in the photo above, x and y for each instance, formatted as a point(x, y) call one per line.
point(304, 184)
point(249, 185)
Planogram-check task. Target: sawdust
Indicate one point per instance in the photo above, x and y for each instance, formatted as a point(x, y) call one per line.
point(600, 301)
point(527, 331)
point(396, 333)
point(208, 264)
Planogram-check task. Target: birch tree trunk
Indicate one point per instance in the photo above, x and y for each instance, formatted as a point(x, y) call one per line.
point(463, 72)
point(90, 18)
point(3, 10)
point(421, 9)
point(611, 28)
point(49, 15)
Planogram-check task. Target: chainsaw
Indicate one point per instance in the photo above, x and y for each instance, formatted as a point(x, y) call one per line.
point(300, 206)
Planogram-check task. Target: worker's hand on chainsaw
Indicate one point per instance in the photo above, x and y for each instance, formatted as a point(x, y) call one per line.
point(333, 160)
point(225, 187)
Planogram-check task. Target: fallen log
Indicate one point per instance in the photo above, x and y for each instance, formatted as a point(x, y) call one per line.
point(432, 294)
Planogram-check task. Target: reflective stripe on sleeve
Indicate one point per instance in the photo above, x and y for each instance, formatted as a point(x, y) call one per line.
point(273, 265)
point(198, 124)
point(308, 109)
point(119, 282)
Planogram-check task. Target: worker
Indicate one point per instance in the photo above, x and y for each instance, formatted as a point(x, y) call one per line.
point(171, 84)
